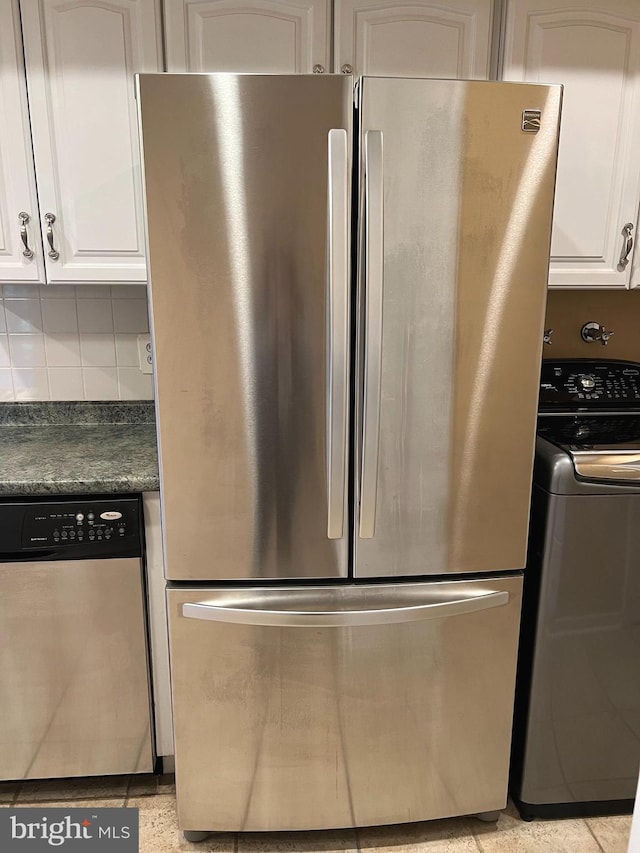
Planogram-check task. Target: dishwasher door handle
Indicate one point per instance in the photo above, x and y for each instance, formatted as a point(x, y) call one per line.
point(212, 612)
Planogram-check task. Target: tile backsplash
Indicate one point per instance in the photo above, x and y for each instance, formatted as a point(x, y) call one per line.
point(72, 342)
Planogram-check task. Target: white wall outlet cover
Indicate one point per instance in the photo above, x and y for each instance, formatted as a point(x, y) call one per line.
point(145, 353)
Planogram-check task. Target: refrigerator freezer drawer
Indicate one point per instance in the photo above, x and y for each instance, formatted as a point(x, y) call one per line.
point(337, 706)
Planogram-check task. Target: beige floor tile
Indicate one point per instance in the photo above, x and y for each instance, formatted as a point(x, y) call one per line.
point(510, 810)
point(60, 790)
point(612, 832)
point(325, 841)
point(512, 835)
point(454, 835)
point(159, 831)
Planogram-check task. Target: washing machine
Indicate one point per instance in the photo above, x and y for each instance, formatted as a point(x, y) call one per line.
point(576, 738)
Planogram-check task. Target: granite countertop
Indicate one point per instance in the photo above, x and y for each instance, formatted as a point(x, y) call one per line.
point(77, 448)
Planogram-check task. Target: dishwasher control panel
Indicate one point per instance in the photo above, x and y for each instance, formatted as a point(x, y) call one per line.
point(93, 524)
point(587, 383)
point(73, 528)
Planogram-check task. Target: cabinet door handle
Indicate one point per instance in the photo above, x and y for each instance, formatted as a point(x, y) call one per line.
point(49, 218)
point(24, 220)
point(628, 245)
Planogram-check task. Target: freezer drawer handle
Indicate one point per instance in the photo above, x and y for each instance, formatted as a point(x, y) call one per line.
point(337, 327)
point(344, 618)
point(374, 290)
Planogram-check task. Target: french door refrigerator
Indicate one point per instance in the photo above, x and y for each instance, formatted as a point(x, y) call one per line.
point(347, 290)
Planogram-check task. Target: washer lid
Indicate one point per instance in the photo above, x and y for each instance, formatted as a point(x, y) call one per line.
point(615, 462)
point(603, 447)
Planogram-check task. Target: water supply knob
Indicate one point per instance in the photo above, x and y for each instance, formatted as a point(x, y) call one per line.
point(592, 332)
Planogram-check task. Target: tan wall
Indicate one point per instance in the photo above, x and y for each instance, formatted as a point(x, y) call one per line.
point(619, 312)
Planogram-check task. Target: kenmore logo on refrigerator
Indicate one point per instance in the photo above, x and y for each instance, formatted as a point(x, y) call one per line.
point(32, 830)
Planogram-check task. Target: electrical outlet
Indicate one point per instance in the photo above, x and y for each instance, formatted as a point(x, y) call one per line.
point(145, 353)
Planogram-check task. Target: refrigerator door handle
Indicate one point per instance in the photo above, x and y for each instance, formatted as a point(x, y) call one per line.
point(337, 327)
point(374, 290)
point(407, 612)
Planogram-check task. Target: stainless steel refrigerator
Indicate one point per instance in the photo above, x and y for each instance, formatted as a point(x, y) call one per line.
point(347, 289)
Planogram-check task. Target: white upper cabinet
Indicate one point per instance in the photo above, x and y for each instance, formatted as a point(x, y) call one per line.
point(451, 38)
point(81, 56)
point(593, 48)
point(20, 247)
point(277, 36)
point(414, 39)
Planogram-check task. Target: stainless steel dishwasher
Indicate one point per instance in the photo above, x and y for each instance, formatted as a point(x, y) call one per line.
point(74, 682)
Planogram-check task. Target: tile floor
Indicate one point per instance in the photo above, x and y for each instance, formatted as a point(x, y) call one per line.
point(155, 797)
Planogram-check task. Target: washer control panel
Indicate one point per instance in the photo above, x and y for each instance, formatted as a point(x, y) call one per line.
point(79, 523)
point(586, 383)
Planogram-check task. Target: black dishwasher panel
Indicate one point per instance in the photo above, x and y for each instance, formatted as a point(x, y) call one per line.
point(73, 529)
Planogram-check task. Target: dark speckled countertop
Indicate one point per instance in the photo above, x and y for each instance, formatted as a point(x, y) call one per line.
point(77, 448)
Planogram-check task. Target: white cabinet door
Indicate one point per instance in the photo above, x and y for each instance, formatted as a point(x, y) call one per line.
point(593, 48)
point(277, 36)
point(81, 56)
point(414, 39)
point(17, 183)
